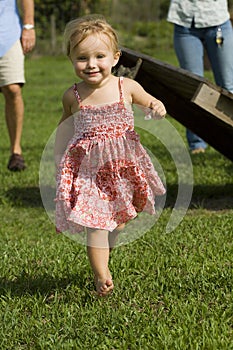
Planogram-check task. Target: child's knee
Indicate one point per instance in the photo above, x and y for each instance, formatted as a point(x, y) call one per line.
point(119, 228)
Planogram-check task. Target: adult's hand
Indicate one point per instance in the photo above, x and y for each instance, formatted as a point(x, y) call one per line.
point(28, 40)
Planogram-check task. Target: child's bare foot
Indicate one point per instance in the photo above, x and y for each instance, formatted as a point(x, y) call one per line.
point(104, 286)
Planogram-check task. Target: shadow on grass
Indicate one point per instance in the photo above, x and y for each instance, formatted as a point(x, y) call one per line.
point(210, 197)
point(25, 196)
point(50, 287)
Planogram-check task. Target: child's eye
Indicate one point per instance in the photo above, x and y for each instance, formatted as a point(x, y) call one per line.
point(81, 58)
point(100, 56)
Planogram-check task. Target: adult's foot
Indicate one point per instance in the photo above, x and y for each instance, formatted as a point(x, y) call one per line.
point(16, 162)
point(198, 150)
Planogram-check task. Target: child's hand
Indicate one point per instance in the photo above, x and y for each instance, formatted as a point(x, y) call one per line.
point(158, 110)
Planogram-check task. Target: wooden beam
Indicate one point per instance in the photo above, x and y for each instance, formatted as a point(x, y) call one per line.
point(199, 105)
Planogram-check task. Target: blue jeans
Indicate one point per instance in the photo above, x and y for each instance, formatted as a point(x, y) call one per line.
point(189, 46)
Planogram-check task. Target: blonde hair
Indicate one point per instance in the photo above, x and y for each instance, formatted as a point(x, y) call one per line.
point(79, 29)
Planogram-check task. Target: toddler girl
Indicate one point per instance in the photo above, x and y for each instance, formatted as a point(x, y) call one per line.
point(104, 175)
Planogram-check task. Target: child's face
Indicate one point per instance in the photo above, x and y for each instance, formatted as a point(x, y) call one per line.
point(94, 58)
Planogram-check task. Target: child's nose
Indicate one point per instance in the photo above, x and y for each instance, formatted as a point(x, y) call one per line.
point(91, 63)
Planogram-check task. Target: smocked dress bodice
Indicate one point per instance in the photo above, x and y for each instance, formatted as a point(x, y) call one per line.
point(103, 121)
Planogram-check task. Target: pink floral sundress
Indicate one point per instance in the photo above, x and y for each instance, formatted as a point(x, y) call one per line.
point(105, 177)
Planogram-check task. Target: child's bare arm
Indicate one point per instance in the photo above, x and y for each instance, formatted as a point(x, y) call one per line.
point(65, 129)
point(140, 97)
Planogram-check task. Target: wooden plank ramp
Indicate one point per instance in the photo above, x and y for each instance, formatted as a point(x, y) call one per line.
point(195, 102)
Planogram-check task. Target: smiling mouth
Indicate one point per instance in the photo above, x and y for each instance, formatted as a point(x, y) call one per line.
point(92, 73)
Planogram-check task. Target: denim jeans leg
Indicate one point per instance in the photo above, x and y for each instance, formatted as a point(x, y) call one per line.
point(221, 57)
point(194, 141)
point(189, 50)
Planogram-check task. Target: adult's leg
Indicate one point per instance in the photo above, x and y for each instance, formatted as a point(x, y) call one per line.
point(11, 80)
point(14, 112)
point(189, 51)
point(98, 254)
point(220, 56)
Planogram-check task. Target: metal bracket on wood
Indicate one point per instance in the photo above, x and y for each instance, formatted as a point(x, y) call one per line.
point(213, 101)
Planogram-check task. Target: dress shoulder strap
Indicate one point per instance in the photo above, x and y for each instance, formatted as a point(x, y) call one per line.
point(75, 89)
point(121, 89)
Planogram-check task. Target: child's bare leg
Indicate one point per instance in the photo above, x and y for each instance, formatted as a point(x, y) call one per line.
point(98, 254)
point(112, 236)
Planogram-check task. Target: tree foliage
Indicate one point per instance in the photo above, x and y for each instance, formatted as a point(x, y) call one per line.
point(115, 10)
point(120, 12)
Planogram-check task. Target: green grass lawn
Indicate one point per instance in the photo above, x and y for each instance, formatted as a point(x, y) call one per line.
point(172, 290)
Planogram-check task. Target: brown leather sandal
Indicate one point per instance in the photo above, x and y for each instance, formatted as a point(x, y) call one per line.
point(16, 162)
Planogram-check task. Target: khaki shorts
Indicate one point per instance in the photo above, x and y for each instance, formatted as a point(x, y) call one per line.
point(12, 66)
